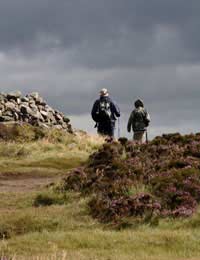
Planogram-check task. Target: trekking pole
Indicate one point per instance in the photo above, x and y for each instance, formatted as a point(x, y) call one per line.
point(147, 140)
point(118, 128)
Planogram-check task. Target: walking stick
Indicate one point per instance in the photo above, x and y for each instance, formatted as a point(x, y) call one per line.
point(118, 128)
point(147, 140)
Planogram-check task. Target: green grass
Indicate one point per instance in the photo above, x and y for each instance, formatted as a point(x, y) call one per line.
point(48, 156)
point(47, 230)
point(64, 229)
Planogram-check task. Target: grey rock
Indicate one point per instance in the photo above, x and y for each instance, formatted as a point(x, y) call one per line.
point(44, 113)
point(57, 127)
point(25, 99)
point(16, 116)
point(18, 101)
point(31, 109)
point(2, 97)
point(25, 109)
point(34, 107)
point(40, 101)
point(6, 119)
point(32, 102)
point(58, 117)
point(14, 95)
point(2, 107)
point(10, 105)
point(35, 95)
point(8, 113)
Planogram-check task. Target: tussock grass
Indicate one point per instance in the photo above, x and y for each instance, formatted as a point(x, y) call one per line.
point(48, 199)
point(56, 151)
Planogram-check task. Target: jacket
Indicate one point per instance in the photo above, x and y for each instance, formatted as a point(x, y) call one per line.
point(138, 120)
point(115, 112)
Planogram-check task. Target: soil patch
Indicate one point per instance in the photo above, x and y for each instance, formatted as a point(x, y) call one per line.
point(21, 184)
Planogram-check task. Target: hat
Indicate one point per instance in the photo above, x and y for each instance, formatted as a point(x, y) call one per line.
point(139, 103)
point(104, 92)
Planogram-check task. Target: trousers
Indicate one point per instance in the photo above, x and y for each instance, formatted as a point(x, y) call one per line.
point(106, 128)
point(138, 137)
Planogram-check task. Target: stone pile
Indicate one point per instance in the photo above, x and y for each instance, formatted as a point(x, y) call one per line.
point(31, 109)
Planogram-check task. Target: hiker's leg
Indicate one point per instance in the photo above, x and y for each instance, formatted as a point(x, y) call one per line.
point(100, 129)
point(106, 129)
point(110, 129)
point(138, 137)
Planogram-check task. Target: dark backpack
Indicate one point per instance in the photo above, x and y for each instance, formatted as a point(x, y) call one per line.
point(105, 110)
point(141, 119)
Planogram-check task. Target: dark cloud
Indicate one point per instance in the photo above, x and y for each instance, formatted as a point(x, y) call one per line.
point(68, 50)
point(106, 33)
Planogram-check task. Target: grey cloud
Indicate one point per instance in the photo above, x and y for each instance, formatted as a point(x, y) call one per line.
point(106, 33)
point(171, 93)
point(68, 50)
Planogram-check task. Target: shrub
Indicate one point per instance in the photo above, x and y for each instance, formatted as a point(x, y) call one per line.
point(169, 167)
point(48, 199)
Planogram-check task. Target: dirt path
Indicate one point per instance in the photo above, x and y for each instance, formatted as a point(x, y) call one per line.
point(24, 184)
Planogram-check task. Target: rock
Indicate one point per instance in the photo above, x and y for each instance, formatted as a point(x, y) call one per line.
point(25, 109)
point(2, 107)
point(37, 115)
point(16, 116)
point(66, 119)
point(58, 127)
point(58, 117)
point(18, 101)
point(40, 101)
point(32, 102)
point(8, 113)
point(44, 113)
point(31, 109)
point(10, 106)
point(6, 119)
point(2, 97)
point(25, 99)
point(49, 109)
point(35, 95)
point(14, 95)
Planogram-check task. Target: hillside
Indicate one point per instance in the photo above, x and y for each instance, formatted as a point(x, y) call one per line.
point(73, 196)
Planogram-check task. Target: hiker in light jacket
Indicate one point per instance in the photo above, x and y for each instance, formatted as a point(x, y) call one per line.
point(105, 113)
point(139, 120)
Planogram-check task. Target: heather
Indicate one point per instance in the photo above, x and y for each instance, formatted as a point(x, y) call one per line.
point(104, 210)
point(127, 181)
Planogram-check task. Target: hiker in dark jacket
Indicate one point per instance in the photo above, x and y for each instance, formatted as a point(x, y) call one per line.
point(105, 113)
point(138, 121)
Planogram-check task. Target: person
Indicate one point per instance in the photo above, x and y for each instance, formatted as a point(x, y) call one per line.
point(139, 121)
point(105, 112)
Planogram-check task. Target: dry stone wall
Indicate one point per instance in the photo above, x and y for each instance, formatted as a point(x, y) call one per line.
point(31, 109)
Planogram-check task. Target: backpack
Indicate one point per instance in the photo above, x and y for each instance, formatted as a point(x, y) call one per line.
point(141, 119)
point(146, 120)
point(105, 110)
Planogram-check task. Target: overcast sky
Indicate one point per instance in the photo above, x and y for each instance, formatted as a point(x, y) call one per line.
point(69, 49)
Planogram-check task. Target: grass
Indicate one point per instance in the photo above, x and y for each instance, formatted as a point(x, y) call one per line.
point(60, 228)
point(67, 229)
point(53, 154)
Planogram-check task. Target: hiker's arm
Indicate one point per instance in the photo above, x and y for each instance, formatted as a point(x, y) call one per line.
point(94, 111)
point(116, 109)
point(130, 121)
